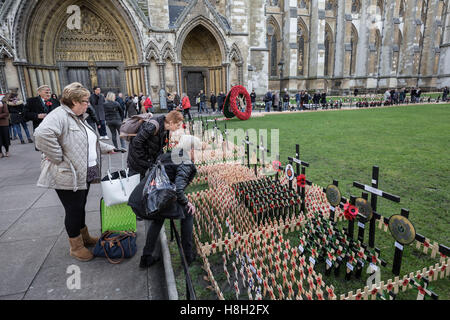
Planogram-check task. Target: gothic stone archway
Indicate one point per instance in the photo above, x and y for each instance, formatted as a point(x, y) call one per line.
point(104, 51)
point(201, 60)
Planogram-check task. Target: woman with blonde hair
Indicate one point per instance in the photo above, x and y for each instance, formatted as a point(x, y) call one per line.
point(71, 161)
point(114, 117)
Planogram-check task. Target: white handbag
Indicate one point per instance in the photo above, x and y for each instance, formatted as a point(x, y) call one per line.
point(117, 186)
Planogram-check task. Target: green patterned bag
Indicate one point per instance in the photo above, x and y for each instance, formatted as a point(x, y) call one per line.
point(119, 217)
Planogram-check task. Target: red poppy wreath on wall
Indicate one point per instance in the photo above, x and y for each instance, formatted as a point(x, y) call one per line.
point(231, 107)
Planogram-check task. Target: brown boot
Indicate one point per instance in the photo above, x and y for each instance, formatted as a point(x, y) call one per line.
point(78, 250)
point(87, 239)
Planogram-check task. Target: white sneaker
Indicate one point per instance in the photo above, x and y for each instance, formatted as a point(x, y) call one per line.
point(104, 138)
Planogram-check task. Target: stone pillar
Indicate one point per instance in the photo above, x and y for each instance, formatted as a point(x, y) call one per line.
point(177, 66)
point(162, 76)
point(291, 45)
point(158, 11)
point(347, 39)
point(410, 46)
point(145, 67)
point(340, 35)
point(317, 43)
point(258, 59)
point(444, 66)
point(238, 17)
point(363, 37)
point(387, 44)
point(429, 46)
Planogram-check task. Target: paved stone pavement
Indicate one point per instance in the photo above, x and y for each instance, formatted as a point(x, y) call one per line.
point(34, 247)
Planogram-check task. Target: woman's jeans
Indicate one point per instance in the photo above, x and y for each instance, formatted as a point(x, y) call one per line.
point(17, 131)
point(114, 126)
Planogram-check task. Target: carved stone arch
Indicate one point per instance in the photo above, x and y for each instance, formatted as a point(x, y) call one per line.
point(235, 54)
point(236, 62)
point(274, 44)
point(5, 49)
point(167, 52)
point(152, 51)
point(210, 26)
point(25, 17)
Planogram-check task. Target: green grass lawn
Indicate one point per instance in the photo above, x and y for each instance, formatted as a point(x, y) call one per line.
point(410, 144)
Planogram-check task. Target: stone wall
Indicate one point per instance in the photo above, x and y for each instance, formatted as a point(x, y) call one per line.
point(380, 44)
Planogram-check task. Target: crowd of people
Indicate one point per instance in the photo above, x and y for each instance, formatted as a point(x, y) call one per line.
point(69, 134)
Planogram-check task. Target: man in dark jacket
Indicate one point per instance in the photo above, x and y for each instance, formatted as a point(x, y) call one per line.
point(149, 141)
point(38, 107)
point(286, 100)
point(181, 171)
point(97, 100)
point(203, 102)
point(120, 100)
point(253, 98)
point(213, 100)
point(220, 101)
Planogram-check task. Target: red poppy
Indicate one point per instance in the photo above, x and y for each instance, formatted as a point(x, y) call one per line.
point(350, 211)
point(301, 180)
point(374, 291)
point(426, 244)
point(431, 273)
point(389, 287)
point(276, 166)
point(48, 103)
point(184, 125)
point(167, 140)
point(330, 293)
point(374, 259)
point(421, 290)
point(443, 268)
point(358, 296)
point(405, 282)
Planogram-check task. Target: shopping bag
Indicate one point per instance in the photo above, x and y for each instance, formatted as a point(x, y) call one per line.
point(117, 186)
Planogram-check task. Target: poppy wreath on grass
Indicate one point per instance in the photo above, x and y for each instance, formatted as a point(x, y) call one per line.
point(230, 108)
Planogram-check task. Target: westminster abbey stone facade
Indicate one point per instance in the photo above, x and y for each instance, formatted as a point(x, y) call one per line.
point(144, 46)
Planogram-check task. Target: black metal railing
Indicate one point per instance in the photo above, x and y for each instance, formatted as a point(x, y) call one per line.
point(190, 293)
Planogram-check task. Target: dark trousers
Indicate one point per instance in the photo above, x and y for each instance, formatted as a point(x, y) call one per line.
point(102, 129)
point(187, 112)
point(74, 204)
point(114, 126)
point(186, 236)
point(213, 106)
point(4, 138)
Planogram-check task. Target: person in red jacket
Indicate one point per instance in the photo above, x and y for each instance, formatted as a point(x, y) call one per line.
point(186, 104)
point(148, 104)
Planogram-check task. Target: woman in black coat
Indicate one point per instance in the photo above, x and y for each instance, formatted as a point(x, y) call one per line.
point(113, 118)
point(17, 112)
point(181, 173)
point(149, 141)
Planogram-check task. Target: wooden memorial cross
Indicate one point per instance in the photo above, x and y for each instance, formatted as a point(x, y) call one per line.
point(303, 164)
point(361, 225)
point(375, 193)
point(263, 149)
point(247, 144)
point(399, 250)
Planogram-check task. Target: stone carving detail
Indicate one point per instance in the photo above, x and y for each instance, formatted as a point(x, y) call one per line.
point(94, 41)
